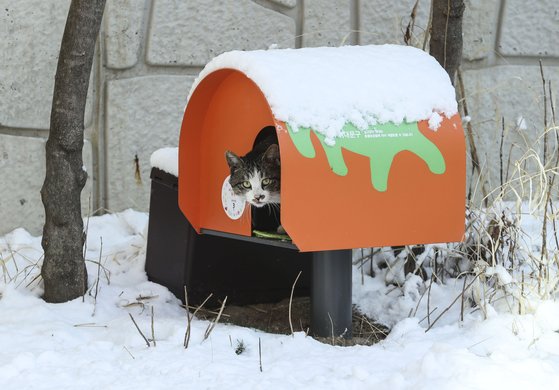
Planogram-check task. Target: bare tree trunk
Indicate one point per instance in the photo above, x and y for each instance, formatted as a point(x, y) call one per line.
point(446, 34)
point(64, 273)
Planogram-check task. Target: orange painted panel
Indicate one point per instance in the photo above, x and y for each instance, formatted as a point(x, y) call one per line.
point(225, 112)
point(323, 211)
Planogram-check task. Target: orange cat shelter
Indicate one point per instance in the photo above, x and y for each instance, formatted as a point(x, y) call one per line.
point(372, 176)
point(372, 154)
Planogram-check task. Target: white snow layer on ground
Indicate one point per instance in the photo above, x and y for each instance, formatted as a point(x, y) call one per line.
point(326, 87)
point(93, 344)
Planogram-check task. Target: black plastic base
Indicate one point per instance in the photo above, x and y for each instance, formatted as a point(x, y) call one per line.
point(246, 271)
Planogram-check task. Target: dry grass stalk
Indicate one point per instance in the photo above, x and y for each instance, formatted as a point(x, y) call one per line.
point(428, 314)
point(126, 349)
point(153, 328)
point(189, 316)
point(452, 303)
point(90, 325)
point(23, 273)
point(470, 134)
point(139, 331)
point(544, 254)
point(501, 150)
point(212, 325)
point(208, 311)
point(188, 321)
point(199, 308)
point(291, 301)
point(463, 301)
point(544, 113)
point(97, 280)
point(374, 334)
point(413, 313)
point(332, 327)
point(429, 302)
point(260, 353)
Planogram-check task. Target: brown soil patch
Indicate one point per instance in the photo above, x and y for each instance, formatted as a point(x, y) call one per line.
point(274, 318)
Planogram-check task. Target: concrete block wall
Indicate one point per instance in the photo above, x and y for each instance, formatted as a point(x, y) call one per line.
point(150, 51)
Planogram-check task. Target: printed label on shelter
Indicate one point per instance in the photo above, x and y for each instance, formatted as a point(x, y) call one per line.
point(380, 143)
point(232, 204)
point(373, 133)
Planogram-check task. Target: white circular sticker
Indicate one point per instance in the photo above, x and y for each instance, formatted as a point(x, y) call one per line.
point(233, 205)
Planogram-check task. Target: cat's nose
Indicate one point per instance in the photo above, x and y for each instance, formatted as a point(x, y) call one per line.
point(258, 198)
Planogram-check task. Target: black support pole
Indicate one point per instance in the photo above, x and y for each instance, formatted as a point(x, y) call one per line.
point(331, 294)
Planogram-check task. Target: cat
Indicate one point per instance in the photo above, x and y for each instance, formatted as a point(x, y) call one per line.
point(255, 177)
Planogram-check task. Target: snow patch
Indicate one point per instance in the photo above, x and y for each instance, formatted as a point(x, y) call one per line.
point(435, 121)
point(166, 159)
point(324, 88)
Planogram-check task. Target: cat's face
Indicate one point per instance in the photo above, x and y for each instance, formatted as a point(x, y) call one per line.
point(256, 178)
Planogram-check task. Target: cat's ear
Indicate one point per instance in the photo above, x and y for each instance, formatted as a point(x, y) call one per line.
point(272, 154)
point(233, 160)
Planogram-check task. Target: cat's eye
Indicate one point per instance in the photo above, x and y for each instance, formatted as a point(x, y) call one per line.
point(266, 181)
point(246, 184)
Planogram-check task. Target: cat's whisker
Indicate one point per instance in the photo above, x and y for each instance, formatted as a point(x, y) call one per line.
point(275, 207)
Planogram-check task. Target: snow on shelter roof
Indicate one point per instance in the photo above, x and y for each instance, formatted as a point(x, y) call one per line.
point(325, 87)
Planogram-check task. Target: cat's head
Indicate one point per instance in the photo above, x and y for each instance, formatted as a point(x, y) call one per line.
point(256, 178)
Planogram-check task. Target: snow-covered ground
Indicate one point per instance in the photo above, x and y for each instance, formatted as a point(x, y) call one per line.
point(92, 343)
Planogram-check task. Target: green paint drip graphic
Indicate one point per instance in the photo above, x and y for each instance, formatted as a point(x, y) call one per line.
point(380, 143)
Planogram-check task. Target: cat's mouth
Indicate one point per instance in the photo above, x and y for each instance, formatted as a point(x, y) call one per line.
point(257, 203)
